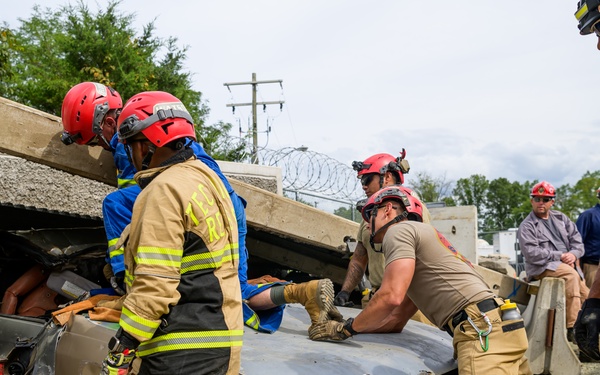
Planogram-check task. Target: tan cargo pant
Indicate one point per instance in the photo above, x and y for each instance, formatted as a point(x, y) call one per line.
point(589, 271)
point(506, 345)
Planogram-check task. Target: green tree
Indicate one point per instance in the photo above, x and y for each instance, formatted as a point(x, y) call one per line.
point(472, 192)
point(346, 213)
point(584, 192)
point(55, 49)
point(502, 197)
point(432, 189)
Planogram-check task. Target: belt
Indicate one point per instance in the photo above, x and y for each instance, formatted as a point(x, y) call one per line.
point(483, 306)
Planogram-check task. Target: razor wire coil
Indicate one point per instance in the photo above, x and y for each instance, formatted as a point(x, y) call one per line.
point(305, 170)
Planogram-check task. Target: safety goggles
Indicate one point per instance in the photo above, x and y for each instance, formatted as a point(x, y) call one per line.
point(540, 199)
point(365, 180)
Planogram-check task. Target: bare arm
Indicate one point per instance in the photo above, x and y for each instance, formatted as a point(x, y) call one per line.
point(356, 268)
point(390, 301)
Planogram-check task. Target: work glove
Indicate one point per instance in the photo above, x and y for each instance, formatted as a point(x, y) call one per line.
point(334, 314)
point(587, 328)
point(343, 299)
point(117, 283)
point(330, 330)
point(118, 363)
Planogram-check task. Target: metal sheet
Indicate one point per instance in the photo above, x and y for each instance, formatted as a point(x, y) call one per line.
point(419, 349)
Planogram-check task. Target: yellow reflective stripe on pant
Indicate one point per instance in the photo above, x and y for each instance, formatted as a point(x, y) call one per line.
point(208, 260)
point(191, 340)
point(253, 322)
point(137, 325)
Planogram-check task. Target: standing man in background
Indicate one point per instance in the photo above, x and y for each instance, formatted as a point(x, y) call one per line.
point(588, 224)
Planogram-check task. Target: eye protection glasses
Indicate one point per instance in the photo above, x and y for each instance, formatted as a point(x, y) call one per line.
point(366, 179)
point(539, 199)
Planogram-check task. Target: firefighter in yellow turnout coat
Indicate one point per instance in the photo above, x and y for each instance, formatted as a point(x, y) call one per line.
point(182, 313)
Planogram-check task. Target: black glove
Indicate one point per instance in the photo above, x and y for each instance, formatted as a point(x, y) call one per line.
point(343, 299)
point(117, 283)
point(587, 328)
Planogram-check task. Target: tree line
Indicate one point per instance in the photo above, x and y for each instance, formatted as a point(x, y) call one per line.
point(53, 50)
point(501, 204)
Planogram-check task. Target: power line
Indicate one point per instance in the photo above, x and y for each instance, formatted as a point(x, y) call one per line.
point(254, 103)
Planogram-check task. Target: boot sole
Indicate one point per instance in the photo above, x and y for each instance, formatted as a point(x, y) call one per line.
point(325, 297)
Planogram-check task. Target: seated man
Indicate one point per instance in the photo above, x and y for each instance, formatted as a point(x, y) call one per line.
point(551, 246)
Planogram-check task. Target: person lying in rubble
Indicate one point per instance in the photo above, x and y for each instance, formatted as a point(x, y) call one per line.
point(375, 172)
point(587, 325)
point(424, 271)
point(90, 113)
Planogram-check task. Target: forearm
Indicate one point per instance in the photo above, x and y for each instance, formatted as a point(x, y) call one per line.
point(356, 268)
point(380, 310)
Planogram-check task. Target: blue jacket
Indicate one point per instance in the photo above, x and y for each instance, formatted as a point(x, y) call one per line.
point(588, 224)
point(125, 170)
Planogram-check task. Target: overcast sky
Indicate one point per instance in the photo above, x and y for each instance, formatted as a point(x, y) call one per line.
point(503, 89)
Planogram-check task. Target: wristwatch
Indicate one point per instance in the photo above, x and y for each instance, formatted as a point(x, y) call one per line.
point(115, 345)
point(348, 326)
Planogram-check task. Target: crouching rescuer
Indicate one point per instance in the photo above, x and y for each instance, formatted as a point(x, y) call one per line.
point(424, 271)
point(182, 313)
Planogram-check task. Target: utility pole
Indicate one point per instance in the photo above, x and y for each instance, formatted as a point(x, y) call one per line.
point(254, 83)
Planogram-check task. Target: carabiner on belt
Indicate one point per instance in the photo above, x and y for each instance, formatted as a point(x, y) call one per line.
point(482, 334)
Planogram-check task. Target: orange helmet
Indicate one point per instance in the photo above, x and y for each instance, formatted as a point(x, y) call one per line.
point(412, 206)
point(543, 189)
point(83, 110)
point(160, 116)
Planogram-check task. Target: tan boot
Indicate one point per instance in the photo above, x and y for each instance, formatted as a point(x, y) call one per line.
point(316, 296)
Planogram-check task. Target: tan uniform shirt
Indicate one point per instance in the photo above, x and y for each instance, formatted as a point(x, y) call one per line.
point(444, 281)
point(376, 263)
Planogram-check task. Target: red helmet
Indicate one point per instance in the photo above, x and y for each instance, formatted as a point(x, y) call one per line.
point(381, 163)
point(160, 116)
point(543, 189)
point(598, 193)
point(412, 205)
point(83, 110)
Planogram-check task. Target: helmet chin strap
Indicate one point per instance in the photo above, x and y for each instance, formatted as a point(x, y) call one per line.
point(148, 157)
point(395, 220)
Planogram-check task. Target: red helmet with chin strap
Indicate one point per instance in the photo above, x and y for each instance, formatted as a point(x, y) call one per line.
point(412, 205)
point(160, 116)
point(83, 110)
point(543, 189)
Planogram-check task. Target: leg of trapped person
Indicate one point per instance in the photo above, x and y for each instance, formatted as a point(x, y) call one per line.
point(502, 351)
point(575, 290)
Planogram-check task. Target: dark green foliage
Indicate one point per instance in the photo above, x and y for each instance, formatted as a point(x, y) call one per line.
point(54, 50)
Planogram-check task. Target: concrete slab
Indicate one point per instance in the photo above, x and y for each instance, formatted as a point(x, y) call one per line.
point(419, 349)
